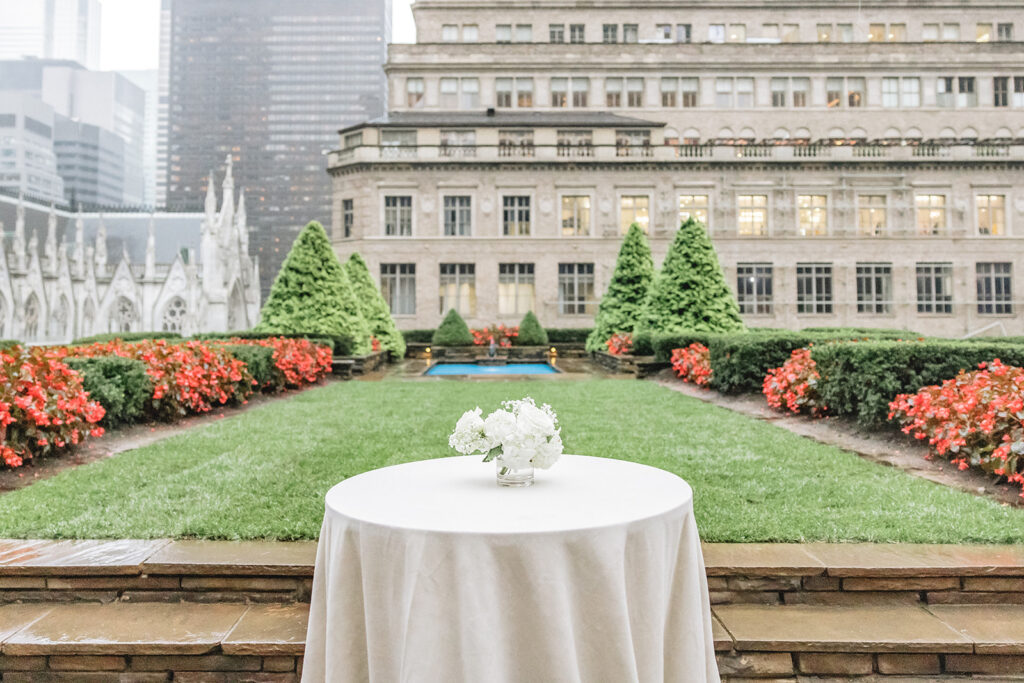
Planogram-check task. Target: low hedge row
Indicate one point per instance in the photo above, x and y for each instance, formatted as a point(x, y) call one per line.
point(557, 335)
point(860, 379)
point(124, 336)
point(418, 336)
point(340, 346)
point(121, 386)
point(259, 361)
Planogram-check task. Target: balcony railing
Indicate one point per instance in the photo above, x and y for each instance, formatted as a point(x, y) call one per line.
point(709, 151)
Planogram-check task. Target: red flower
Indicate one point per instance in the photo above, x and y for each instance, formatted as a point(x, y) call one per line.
point(620, 344)
point(693, 364)
point(794, 385)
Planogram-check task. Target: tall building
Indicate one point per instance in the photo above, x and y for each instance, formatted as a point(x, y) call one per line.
point(51, 29)
point(858, 164)
point(148, 80)
point(90, 161)
point(28, 164)
point(101, 99)
point(268, 83)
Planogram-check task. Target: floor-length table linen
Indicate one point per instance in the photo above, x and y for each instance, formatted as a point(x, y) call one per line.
point(428, 572)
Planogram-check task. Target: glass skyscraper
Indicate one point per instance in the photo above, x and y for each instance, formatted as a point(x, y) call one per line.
point(270, 83)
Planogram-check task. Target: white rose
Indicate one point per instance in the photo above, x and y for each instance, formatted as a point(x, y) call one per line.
point(500, 426)
point(518, 453)
point(533, 420)
point(547, 453)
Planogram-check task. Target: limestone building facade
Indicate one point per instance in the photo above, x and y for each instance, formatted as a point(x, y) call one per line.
point(183, 273)
point(856, 163)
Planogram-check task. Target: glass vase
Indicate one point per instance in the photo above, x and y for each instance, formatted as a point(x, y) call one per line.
point(516, 477)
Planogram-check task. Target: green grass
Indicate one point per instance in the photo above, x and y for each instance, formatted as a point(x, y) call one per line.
point(263, 473)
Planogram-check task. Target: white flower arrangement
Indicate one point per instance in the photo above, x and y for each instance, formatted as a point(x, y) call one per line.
point(519, 435)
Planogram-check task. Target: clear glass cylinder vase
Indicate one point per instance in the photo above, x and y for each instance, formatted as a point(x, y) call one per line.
point(516, 477)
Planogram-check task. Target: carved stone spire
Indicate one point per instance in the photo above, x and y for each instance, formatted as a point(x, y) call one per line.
point(211, 199)
point(241, 220)
point(100, 251)
point(150, 272)
point(227, 207)
point(50, 248)
point(20, 255)
point(78, 260)
point(33, 246)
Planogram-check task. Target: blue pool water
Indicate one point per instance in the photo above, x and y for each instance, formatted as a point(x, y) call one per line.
point(474, 369)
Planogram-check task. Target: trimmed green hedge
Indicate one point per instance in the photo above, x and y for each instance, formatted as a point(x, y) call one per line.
point(341, 346)
point(259, 360)
point(994, 340)
point(453, 331)
point(125, 337)
point(663, 343)
point(859, 379)
point(568, 335)
point(530, 332)
point(881, 332)
point(418, 336)
point(4, 343)
point(121, 385)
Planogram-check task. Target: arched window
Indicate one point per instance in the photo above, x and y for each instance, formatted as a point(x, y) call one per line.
point(802, 134)
point(969, 134)
point(781, 134)
point(59, 319)
point(671, 137)
point(893, 134)
point(837, 134)
point(123, 316)
point(31, 330)
point(947, 133)
point(174, 315)
point(858, 134)
point(913, 134)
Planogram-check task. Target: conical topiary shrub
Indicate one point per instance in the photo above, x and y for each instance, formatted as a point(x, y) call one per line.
point(621, 306)
point(312, 294)
point(530, 332)
point(452, 331)
point(374, 309)
point(690, 292)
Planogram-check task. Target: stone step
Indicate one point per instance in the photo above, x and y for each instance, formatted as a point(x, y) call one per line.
point(274, 571)
point(214, 642)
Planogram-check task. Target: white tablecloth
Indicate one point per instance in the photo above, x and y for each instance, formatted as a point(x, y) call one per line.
point(429, 572)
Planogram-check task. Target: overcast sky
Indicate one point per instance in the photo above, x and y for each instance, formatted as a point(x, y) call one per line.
point(131, 32)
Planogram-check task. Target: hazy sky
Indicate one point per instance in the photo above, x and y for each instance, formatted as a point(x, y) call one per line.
point(131, 32)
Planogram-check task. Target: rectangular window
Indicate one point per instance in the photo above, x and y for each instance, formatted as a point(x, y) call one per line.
point(470, 33)
point(983, 33)
point(684, 33)
point(855, 91)
point(871, 214)
point(1018, 91)
point(824, 33)
point(503, 33)
point(945, 95)
point(752, 212)
point(1001, 91)
point(398, 216)
point(689, 89)
point(414, 93)
point(580, 92)
point(450, 33)
point(348, 216)
point(458, 142)
point(449, 89)
point(516, 289)
point(575, 288)
point(398, 287)
point(576, 33)
point(559, 92)
point(556, 33)
point(503, 92)
point(610, 33)
point(737, 33)
point(575, 215)
point(931, 214)
point(780, 92)
point(635, 92)
point(634, 209)
point(812, 212)
point(515, 215)
point(801, 90)
point(897, 33)
point(575, 143)
point(935, 288)
point(754, 288)
point(669, 91)
point(515, 143)
point(633, 143)
point(693, 206)
point(744, 93)
point(716, 33)
point(663, 31)
point(813, 288)
point(995, 288)
point(910, 92)
point(876, 33)
point(845, 32)
point(874, 288)
point(833, 92)
point(470, 90)
point(723, 93)
point(458, 215)
point(613, 92)
point(991, 214)
point(890, 92)
point(630, 33)
point(951, 32)
point(458, 288)
point(930, 33)
point(770, 31)
point(1004, 32)
point(524, 33)
point(351, 140)
point(967, 94)
point(524, 93)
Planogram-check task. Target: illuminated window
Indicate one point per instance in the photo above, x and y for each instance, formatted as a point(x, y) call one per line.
point(398, 287)
point(871, 214)
point(575, 215)
point(931, 214)
point(634, 209)
point(516, 288)
point(812, 210)
point(991, 214)
point(515, 215)
point(458, 288)
point(693, 206)
point(752, 210)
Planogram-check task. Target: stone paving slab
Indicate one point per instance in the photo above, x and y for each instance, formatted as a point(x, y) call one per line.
point(805, 628)
point(994, 629)
point(269, 630)
point(13, 618)
point(907, 559)
point(760, 559)
point(248, 558)
point(126, 629)
point(75, 558)
point(723, 641)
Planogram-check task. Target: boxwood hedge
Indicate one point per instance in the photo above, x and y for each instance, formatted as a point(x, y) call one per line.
point(121, 385)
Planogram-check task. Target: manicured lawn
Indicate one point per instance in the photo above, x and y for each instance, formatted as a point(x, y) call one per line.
point(263, 474)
